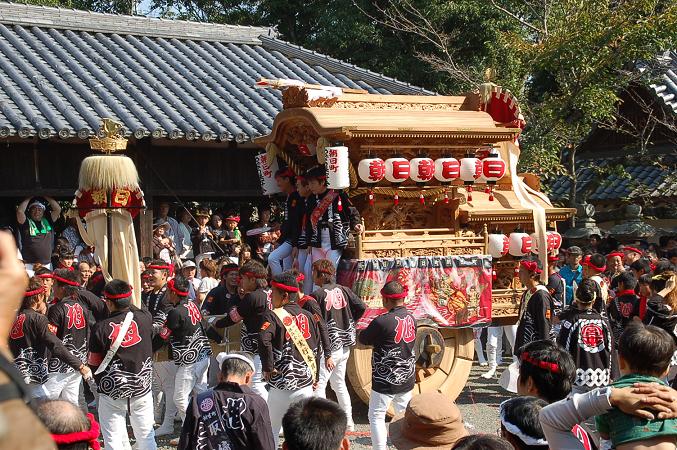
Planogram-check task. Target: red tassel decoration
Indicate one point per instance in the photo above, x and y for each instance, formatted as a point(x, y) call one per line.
point(371, 198)
point(421, 199)
point(446, 198)
point(396, 199)
point(491, 194)
point(494, 275)
point(470, 193)
point(340, 204)
point(487, 189)
point(517, 271)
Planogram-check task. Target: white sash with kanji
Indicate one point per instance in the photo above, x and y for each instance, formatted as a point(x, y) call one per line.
point(297, 338)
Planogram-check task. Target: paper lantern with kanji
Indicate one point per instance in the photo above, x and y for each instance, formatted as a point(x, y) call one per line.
point(447, 169)
point(499, 244)
point(493, 169)
point(471, 170)
point(338, 167)
point(519, 244)
point(371, 171)
point(266, 168)
point(397, 170)
point(552, 238)
point(421, 170)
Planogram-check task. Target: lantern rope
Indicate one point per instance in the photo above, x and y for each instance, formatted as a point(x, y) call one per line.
point(322, 143)
point(400, 192)
point(286, 157)
point(353, 175)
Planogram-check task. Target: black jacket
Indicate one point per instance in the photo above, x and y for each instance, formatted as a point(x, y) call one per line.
point(32, 344)
point(250, 311)
point(278, 351)
point(219, 301)
point(393, 361)
point(294, 210)
point(534, 318)
point(184, 331)
point(340, 309)
point(158, 305)
point(130, 372)
point(622, 309)
point(339, 221)
point(95, 304)
point(228, 417)
point(70, 321)
point(310, 304)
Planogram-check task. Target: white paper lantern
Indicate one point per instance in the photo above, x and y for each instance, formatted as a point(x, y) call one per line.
point(552, 238)
point(397, 170)
point(471, 170)
point(499, 244)
point(520, 244)
point(493, 169)
point(338, 167)
point(266, 169)
point(421, 170)
point(447, 169)
point(371, 170)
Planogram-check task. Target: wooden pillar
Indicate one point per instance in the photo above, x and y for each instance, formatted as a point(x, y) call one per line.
point(146, 229)
point(145, 237)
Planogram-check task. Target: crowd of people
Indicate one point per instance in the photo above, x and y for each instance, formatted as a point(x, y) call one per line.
point(593, 347)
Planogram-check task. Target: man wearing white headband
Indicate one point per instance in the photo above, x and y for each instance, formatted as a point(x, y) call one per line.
point(36, 230)
point(231, 415)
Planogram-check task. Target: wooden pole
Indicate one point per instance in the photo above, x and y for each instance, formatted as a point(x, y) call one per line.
point(109, 231)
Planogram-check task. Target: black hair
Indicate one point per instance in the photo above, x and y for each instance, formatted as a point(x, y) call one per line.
point(647, 349)
point(63, 417)
point(181, 283)
point(160, 263)
point(641, 264)
point(628, 279)
point(33, 284)
point(288, 279)
point(586, 291)
point(523, 412)
point(672, 253)
point(597, 260)
point(229, 266)
point(645, 279)
point(146, 260)
point(482, 442)
point(117, 287)
point(551, 386)
point(42, 271)
point(258, 269)
point(66, 253)
point(314, 424)
point(70, 275)
point(393, 287)
point(235, 367)
point(664, 266)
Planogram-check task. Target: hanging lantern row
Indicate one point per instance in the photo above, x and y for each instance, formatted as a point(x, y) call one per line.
point(520, 244)
point(422, 170)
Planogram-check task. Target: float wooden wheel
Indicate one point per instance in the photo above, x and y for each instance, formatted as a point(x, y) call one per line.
point(444, 359)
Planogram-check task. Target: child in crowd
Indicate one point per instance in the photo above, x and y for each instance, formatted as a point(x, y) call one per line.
point(625, 305)
point(586, 335)
point(393, 361)
point(645, 353)
point(231, 238)
point(520, 424)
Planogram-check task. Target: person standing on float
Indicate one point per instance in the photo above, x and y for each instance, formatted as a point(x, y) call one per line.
point(329, 218)
point(282, 257)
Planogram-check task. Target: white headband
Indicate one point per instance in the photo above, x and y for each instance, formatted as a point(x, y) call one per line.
point(515, 431)
point(227, 356)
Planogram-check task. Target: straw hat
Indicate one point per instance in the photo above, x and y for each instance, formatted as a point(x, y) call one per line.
point(430, 422)
point(204, 212)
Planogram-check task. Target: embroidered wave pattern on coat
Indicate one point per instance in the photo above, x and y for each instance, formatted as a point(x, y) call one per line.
point(33, 368)
point(390, 367)
point(197, 349)
point(58, 366)
point(249, 342)
point(118, 383)
point(339, 337)
point(592, 377)
point(293, 374)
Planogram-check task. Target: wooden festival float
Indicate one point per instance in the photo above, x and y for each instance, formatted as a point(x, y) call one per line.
point(444, 209)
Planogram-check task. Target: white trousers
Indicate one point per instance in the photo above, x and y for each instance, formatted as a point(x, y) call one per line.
point(306, 267)
point(280, 258)
point(279, 402)
point(64, 386)
point(185, 381)
point(164, 376)
point(37, 391)
point(113, 418)
point(258, 383)
point(337, 379)
point(477, 333)
point(378, 406)
point(494, 336)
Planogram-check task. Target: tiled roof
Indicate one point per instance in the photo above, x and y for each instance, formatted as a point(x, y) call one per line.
point(62, 70)
point(654, 180)
point(666, 88)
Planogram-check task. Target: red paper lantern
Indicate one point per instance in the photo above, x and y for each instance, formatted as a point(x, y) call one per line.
point(520, 244)
point(493, 169)
point(499, 244)
point(471, 170)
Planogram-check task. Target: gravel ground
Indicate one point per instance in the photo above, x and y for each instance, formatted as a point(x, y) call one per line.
point(478, 402)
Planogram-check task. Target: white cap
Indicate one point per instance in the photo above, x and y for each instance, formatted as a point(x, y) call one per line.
point(221, 357)
point(188, 263)
point(37, 203)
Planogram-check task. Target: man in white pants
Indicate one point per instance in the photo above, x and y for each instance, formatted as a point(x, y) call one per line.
point(340, 309)
point(189, 343)
point(289, 349)
point(393, 360)
point(495, 346)
point(69, 320)
point(124, 374)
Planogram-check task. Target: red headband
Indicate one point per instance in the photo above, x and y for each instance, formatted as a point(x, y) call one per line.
point(287, 173)
point(531, 266)
point(632, 249)
point(90, 436)
point(611, 255)
point(159, 267)
point(550, 367)
point(586, 262)
point(108, 296)
point(45, 275)
point(253, 275)
point(553, 258)
point(327, 271)
point(170, 285)
point(37, 291)
point(300, 278)
point(399, 296)
point(229, 269)
point(65, 281)
point(233, 219)
point(284, 287)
